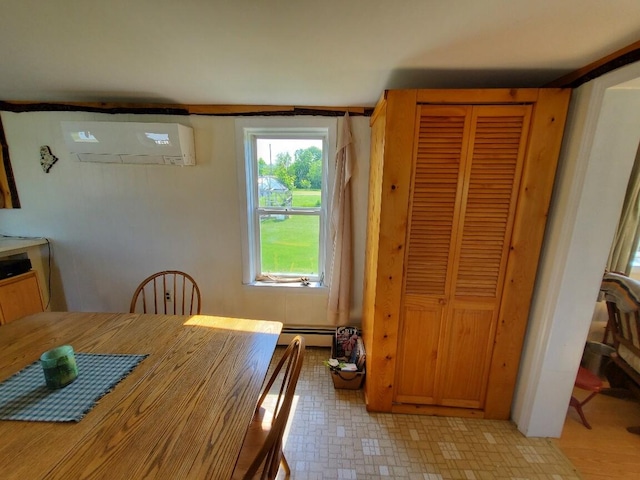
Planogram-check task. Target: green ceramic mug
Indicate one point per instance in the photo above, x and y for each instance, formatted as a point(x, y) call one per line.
point(59, 366)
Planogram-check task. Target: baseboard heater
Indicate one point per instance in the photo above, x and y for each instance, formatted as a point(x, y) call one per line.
point(314, 336)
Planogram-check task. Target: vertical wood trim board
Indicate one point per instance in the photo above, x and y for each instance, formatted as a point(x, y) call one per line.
point(395, 185)
point(547, 129)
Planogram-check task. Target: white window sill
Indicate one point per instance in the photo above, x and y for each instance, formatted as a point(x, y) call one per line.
point(312, 287)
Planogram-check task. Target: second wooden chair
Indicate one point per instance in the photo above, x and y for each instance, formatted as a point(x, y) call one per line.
point(170, 292)
point(261, 454)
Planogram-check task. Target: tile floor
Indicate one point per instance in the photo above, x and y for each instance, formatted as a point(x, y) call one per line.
point(332, 436)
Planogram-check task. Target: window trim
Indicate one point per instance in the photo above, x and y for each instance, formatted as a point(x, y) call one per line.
point(247, 130)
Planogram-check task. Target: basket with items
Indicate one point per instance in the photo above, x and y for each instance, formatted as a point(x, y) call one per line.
point(347, 362)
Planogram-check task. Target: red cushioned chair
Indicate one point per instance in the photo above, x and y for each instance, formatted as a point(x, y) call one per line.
point(585, 380)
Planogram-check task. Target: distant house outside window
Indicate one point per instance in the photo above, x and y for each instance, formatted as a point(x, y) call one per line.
point(283, 178)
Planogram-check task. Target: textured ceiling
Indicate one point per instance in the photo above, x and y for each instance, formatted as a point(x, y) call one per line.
point(296, 52)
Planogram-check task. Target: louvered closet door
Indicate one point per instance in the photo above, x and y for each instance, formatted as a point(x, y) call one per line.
point(440, 149)
point(466, 177)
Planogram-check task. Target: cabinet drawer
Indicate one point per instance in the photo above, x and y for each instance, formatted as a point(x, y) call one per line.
point(19, 297)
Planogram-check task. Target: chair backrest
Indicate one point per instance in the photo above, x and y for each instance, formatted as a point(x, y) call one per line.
point(622, 294)
point(170, 291)
point(286, 372)
point(625, 327)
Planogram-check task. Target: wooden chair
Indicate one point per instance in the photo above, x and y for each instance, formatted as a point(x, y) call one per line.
point(623, 372)
point(170, 291)
point(261, 454)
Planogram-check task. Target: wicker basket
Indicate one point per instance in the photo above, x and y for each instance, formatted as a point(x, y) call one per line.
point(347, 380)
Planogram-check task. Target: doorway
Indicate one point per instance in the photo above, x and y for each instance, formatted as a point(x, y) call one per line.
point(601, 140)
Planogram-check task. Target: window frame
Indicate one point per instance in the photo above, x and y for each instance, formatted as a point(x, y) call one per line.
point(248, 130)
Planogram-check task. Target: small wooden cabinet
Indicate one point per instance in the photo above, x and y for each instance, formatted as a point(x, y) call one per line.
point(19, 297)
point(460, 183)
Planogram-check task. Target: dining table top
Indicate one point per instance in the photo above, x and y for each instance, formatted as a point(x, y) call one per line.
point(182, 413)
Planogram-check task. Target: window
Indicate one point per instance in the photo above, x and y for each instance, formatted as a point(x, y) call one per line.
point(283, 178)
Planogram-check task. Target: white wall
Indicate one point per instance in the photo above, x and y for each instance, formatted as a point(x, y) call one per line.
point(601, 141)
point(112, 225)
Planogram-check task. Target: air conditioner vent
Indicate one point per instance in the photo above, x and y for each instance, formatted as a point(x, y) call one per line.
point(130, 142)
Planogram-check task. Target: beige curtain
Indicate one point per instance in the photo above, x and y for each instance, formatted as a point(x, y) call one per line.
point(340, 230)
point(625, 242)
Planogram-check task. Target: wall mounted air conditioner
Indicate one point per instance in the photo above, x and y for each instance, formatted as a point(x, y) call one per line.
point(129, 142)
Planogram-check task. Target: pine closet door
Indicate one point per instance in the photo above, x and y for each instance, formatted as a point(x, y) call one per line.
point(467, 166)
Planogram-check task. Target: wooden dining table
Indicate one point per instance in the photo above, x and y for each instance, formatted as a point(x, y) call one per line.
point(182, 413)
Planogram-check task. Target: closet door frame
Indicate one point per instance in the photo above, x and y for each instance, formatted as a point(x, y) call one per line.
point(391, 164)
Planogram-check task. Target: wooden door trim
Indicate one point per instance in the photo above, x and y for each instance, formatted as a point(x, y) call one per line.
point(478, 96)
point(382, 321)
point(545, 139)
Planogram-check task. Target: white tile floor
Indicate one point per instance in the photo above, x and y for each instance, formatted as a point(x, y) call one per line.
point(332, 436)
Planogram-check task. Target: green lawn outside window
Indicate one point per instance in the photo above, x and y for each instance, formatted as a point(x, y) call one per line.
point(289, 243)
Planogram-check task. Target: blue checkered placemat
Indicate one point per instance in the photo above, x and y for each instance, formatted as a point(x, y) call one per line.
point(25, 396)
